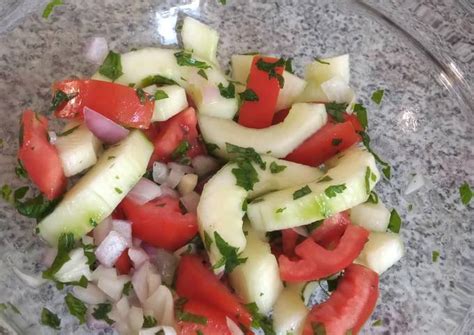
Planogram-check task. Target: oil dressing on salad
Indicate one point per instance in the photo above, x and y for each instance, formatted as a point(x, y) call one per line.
point(205, 203)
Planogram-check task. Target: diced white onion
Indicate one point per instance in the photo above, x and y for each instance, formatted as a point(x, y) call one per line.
point(301, 231)
point(102, 230)
point(174, 178)
point(152, 331)
point(74, 268)
point(111, 248)
point(166, 264)
point(32, 281)
point(180, 167)
point(140, 280)
point(234, 329)
point(49, 256)
point(144, 191)
point(103, 271)
point(86, 239)
point(336, 89)
point(160, 172)
point(204, 165)
point(113, 287)
point(96, 50)
point(416, 182)
point(135, 319)
point(90, 294)
point(188, 183)
point(161, 304)
point(123, 307)
point(52, 137)
point(124, 228)
point(168, 192)
point(190, 201)
point(138, 256)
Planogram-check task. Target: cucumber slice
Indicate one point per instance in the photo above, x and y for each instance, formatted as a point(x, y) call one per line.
point(318, 72)
point(345, 185)
point(258, 279)
point(200, 38)
point(381, 251)
point(278, 140)
point(289, 312)
point(241, 67)
point(170, 106)
point(220, 207)
point(95, 195)
point(373, 217)
point(78, 148)
point(140, 64)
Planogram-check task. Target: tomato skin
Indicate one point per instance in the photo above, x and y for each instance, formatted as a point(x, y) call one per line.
point(259, 114)
point(196, 281)
point(123, 263)
point(349, 307)
point(160, 222)
point(216, 323)
point(330, 231)
point(39, 157)
point(119, 103)
point(289, 240)
point(316, 262)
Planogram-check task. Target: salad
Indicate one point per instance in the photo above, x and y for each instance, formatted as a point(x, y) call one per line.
point(179, 199)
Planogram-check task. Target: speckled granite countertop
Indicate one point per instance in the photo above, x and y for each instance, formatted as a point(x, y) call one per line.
point(425, 124)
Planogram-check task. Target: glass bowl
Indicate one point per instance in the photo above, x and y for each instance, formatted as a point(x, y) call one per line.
point(424, 125)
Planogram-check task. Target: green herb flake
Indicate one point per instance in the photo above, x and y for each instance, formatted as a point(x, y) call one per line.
point(59, 98)
point(465, 193)
point(160, 95)
point(118, 190)
point(336, 141)
point(248, 95)
point(373, 198)
point(377, 96)
point(227, 92)
point(259, 320)
point(65, 245)
point(395, 222)
point(184, 58)
point(245, 173)
point(280, 210)
point(141, 94)
point(434, 256)
point(230, 256)
point(324, 179)
point(321, 61)
point(377, 323)
point(189, 317)
point(245, 205)
point(289, 65)
point(332, 284)
point(211, 147)
point(275, 168)
point(369, 176)
point(181, 150)
point(202, 73)
point(361, 113)
point(112, 66)
point(101, 312)
point(149, 321)
point(50, 7)
point(50, 319)
point(271, 69)
point(6, 192)
point(157, 80)
point(333, 190)
point(20, 170)
point(68, 132)
point(127, 288)
point(312, 226)
point(410, 207)
point(76, 307)
point(223, 2)
point(301, 192)
point(336, 111)
point(207, 241)
point(14, 308)
point(386, 169)
point(20, 193)
point(36, 208)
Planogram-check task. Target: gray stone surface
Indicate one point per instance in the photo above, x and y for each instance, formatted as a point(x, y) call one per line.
point(423, 125)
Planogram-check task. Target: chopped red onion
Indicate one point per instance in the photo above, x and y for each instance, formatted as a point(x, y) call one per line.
point(52, 137)
point(32, 281)
point(301, 231)
point(190, 201)
point(160, 172)
point(96, 50)
point(103, 128)
point(203, 165)
point(90, 295)
point(144, 191)
point(180, 167)
point(102, 230)
point(111, 248)
point(174, 178)
point(234, 329)
point(166, 264)
point(138, 256)
point(124, 228)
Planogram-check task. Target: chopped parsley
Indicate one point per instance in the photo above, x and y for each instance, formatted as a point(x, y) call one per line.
point(336, 141)
point(149, 321)
point(248, 95)
point(227, 92)
point(275, 168)
point(336, 110)
point(333, 190)
point(377, 323)
point(369, 176)
point(289, 65)
point(211, 147)
point(185, 58)
point(59, 98)
point(65, 245)
point(157, 80)
point(465, 192)
point(20, 170)
point(377, 96)
point(271, 69)
point(321, 61)
point(118, 190)
point(189, 317)
point(373, 198)
point(36, 208)
point(181, 150)
point(160, 95)
point(112, 66)
point(207, 240)
point(50, 6)
point(76, 307)
point(386, 169)
point(101, 312)
point(395, 222)
point(202, 73)
point(301, 192)
point(434, 256)
point(245, 173)
point(141, 94)
point(324, 179)
point(361, 113)
point(50, 319)
point(69, 131)
point(230, 256)
point(260, 320)
point(280, 210)
point(127, 288)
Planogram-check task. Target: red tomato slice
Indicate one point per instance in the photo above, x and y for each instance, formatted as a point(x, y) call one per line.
point(196, 281)
point(119, 103)
point(316, 262)
point(39, 157)
point(289, 240)
point(325, 143)
point(330, 231)
point(213, 320)
point(160, 222)
point(259, 114)
point(349, 307)
point(172, 132)
point(355, 122)
point(123, 263)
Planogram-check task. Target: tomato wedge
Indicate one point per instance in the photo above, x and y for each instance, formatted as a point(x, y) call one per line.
point(119, 103)
point(196, 281)
point(330, 231)
point(316, 262)
point(259, 114)
point(200, 318)
point(349, 307)
point(160, 222)
point(39, 157)
point(123, 263)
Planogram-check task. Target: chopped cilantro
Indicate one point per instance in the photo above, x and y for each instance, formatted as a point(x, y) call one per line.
point(6, 192)
point(248, 95)
point(270, 68)
point(395, 222)
point(227, 92)
point(149, 321)
point(160, 95)
point(184, 58)
point(131, 85)
point(377, 323)
point(181, 150)
point(118, 190)
point(20, 193)
point(465, 192)
point(314, 225)
point(275, 168)
point(386, 169)
point(50, 6)
point(377, 96)
point(369, 176)
point(301, 192)
point(69, 131)
point(59, 98)
point(50, 319)
point(245, 204)
point(336, 110)
point(336, 141)
point(324, 179)
point(211, 147)
point(373, 198)
point(289, 65)
point(207, 241)
point(65, 245)
point(20, 170)
point(321, 61)
point(245, 173)
point(361, 113)
point(141, 94)
point(76, 307)
point(248, 153)
point(36, 208)
point(189, 317)
point(223, 2)
point(230, 256)
point(259, 320)
point(112, 66)
point(202, 73)
point(280, 210)
point(157, 80)
point(435, 256)
point(101, 312)
point(333, 190)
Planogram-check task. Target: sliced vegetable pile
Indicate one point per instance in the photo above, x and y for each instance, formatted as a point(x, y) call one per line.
point(204, 203)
